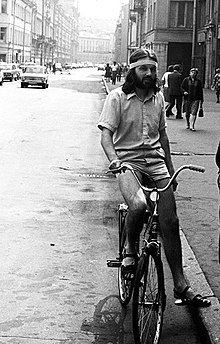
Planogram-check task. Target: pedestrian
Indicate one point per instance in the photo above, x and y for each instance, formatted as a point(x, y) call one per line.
point(164, 81)
point(114, 72)
point(217, 160)
point(119, 72)
point(134, 130)
point(193, 97)
point(175, 93)
point(54, 68)
point(216, 84)
point(108, 72)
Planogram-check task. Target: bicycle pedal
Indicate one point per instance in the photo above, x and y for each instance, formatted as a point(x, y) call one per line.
point(113, 263)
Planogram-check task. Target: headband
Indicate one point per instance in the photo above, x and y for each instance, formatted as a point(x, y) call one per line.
point(143, 62)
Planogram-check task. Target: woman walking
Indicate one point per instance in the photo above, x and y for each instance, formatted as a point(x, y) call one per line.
point(193, 97)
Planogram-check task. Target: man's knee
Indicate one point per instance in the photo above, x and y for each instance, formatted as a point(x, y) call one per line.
point(137, 207)
point(171, 224)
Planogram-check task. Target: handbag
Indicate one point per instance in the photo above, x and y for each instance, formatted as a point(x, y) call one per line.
point(201, 112)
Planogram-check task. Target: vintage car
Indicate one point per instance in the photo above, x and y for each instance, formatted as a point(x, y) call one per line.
point(34, 76)
point(10, 71)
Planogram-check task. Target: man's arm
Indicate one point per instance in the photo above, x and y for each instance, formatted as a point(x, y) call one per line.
point(108, 147)
point(166, 147)
point(217, 157)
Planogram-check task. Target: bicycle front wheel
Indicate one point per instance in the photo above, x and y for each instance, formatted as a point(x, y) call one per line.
point(148, 300)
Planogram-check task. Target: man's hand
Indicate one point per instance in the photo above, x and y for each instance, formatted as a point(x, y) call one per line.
point(115, 164)
point(175, 184)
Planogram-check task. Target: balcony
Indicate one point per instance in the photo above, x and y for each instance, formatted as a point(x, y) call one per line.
point(138, 6)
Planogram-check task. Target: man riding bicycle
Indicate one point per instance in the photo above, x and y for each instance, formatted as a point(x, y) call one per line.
point(134, 130)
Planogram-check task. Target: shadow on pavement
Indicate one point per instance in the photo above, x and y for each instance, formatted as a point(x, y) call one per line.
point(111, 323)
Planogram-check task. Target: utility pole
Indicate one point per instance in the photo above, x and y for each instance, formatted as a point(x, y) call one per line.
point(24, 32)
point(42, 34)
point(216, 35)
point(194, 36)
point(13, 31)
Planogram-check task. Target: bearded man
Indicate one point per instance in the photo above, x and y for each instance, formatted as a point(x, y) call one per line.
point(134, 130)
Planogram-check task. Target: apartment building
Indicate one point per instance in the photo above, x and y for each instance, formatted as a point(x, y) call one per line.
point(121, 36)
point(37, 30)
point(186, 32)
point(94, 47)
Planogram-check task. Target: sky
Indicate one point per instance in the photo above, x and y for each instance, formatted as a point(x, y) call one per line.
point(100, 8)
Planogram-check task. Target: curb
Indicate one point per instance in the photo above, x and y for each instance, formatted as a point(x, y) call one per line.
point(105, 85)
point(207, 318)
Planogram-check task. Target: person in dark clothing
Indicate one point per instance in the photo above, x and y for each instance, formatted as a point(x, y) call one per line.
point(175, 92)
point(108, 72)
point(217, 157)
point(216, 84)
point(119, 72)
point(114, 72)
point(217, 160)
point(193, 97)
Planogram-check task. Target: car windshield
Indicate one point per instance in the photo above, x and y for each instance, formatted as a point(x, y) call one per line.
point(34, 70)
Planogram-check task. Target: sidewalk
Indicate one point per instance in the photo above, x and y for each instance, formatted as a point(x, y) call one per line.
point(208, 319)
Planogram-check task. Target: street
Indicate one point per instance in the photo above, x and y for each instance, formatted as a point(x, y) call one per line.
point(58, 215)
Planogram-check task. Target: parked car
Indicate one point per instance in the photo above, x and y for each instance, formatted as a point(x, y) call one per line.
point(58, 66)
point(10, 71)
point(101, 66)
point(23, 66)
point(35, 76)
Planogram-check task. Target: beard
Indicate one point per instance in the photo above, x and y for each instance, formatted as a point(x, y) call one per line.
point(147, 83)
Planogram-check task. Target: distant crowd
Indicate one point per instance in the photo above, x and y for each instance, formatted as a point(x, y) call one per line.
point(115, 72)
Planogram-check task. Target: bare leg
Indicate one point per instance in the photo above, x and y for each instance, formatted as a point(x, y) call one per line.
point(136, 201)
point(169, 224)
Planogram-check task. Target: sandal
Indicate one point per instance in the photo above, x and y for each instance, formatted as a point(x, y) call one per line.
point(129, 270)
point(196, 301)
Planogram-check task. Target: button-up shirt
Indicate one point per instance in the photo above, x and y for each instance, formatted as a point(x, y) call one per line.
point(136, 123)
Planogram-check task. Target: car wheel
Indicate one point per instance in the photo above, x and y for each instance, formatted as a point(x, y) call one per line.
point(0, 83)
point(22, 85)
point(44, 86)
point(47, 85)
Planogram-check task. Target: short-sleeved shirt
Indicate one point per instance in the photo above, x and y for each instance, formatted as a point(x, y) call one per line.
point(136, 124)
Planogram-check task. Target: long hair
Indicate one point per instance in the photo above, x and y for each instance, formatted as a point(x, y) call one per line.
point(130, 79)
point(130, 82)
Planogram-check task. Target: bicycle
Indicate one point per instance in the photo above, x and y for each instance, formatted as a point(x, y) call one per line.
point(148, 287)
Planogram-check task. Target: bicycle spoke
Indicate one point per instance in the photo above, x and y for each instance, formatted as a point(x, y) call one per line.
point(148, 302)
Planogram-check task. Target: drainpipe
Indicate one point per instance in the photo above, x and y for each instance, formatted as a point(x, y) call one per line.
point(194, 33)
point(13, 31)
point(24, 33)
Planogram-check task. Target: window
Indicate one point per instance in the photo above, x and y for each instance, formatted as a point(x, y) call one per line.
point(3, 34)
point(4, 6)
point(181, 14)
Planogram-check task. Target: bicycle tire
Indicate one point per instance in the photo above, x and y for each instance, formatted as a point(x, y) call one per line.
point(125, 286)
point(149, 299)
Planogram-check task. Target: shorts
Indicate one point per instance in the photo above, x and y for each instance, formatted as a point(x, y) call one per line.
point(146, 163)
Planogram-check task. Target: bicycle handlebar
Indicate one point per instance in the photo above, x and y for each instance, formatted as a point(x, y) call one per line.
point(126, 166)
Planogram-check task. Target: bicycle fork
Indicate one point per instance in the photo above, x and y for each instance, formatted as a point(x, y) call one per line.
point(122, 212)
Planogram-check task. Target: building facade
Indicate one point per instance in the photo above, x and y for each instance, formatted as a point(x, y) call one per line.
point(95, 48)
point(121, 36)
point(37, 30)
point(184, 32)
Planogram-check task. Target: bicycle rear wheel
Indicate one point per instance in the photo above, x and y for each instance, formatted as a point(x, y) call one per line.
point(148, 300)
point(125, 286)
